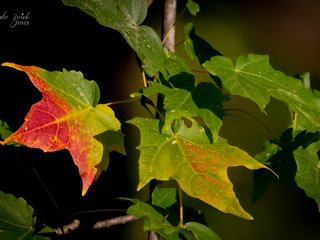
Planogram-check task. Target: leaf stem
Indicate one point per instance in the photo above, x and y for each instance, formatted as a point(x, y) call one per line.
point(181, 206)
point(45, 188)
point(121, 101)
point(144, 79)
point(253, 117)
point(200, 70)
point(98, 211)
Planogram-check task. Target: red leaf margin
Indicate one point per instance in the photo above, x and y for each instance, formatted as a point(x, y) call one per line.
point(52, 124)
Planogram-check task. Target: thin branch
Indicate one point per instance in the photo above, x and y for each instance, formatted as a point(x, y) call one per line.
point(68, 227)
point(114, 221)
point(168, 39)
point(75, 224)
point(169, 19)
point(153, 236)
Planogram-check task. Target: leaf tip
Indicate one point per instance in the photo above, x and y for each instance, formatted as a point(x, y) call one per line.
point(249, 217)
point(84, 191)
point(140, 186)
point(7, 64)
point(272, 171)
point(13, 65)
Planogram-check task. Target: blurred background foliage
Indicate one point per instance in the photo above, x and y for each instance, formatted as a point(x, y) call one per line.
point(63, 37)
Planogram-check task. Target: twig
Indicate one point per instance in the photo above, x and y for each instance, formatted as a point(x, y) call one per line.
point(75, 224)
point(114, 221)
point(168, 40)
point(169, 19)
point(153, 236)
point(68, 227)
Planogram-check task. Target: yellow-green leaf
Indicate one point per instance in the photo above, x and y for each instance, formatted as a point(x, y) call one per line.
point(200, 167)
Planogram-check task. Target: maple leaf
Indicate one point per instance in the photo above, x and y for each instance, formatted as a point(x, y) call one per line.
point(127, 16)
point(254, 78)
point(69, 117)
point(189, 103)
point(186, 155)
point(308, 170)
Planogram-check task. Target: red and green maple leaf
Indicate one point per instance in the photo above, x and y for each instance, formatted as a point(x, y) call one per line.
point(69, 117)
point(186, 155)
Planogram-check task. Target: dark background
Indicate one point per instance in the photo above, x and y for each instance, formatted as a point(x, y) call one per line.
point(63, 37)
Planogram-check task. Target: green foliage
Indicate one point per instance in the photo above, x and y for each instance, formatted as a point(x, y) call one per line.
point(190, 103)
point(308, 170)
point(16, 219)
point(186, 155)
point(280, 157)
point(126, 17)
point(193, 7)
point(200, 232)
point(164, 197)
point(159, 217)
point(254, 78)
point(4, 129)
point(183, 142)
point(6, 132)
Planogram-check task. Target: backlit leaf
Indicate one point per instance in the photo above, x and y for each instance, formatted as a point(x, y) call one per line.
point(189, 104)
point(196, 46)
point(201, 232)
point(186, 155)
point(153, 220)
point(69, 117)
point(6, 132)
point(4, 129)
point(308, 170)
point(164, 197)
point(253, 77)
point(193, 7)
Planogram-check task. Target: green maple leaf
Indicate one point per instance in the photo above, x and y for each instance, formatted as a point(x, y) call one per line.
point(158, 222)
point(16, 219)
point(153, 220)
point(191, 103)
point(69, 117)
point(308, 170)
point(193, 7)
point(126, 16)
point(186, 155)
point(254, 78)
